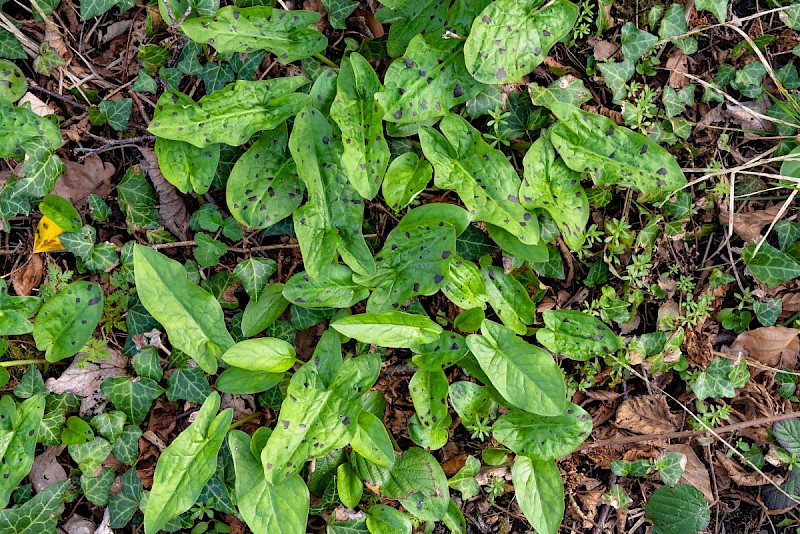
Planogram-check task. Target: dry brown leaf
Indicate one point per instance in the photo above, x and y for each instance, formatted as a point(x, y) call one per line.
point(172, 209)
point(791, 304)
point(677, 65)
point(46, 470)
point(29, 276)
point(695, 472)
point(603, 395)
point(85, 380)
point(773, 346)
point(38, 106)
point(748, 225)
point(737, 473)
point(79, 525)
point(602, 50)
point(79, 180)
point(648, 414)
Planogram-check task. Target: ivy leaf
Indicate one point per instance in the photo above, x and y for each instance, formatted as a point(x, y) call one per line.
point(511, 37)
point(636, 43)
point(616, 75)
point(186, 166)
point(464, 480)
point(263, 187)
point(614, 154)
point(126, 448)
point(284, 33)
point(389, 329)
point(426, 82)
point(720, 379)
point(332, 219)
point(406, 177)
point(576, 335)
point(254, 274)
point(115, 113)
point(192, 317)
point(186, 464)
point(132, 396)
point(769, 265)
point(90, 455)
point(209, 250)
point(231, 115)
point(338, 11)
point(674, 23)
point(333, 288)
point(541, 437)
point(481, 175)
point(10, 47)
point(31, 384)
point(719, 8)
point(14, 312)
point(122, 505)
point(40, 514)
point(96, 489)
point(366, 153)
point(678, 510)
point(138, 201)
point(549, 184)
point(189, 384)
point(419, 482)
point(109, 424)
point(18, 427)
point(526, 376)
point(540, 493)
point(413, 260)
point(320, 410)
point(265, 507)
point(66, 322)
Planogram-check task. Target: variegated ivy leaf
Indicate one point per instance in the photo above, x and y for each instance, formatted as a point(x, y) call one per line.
point(549, 184)
point(616, 75)
point(289, 35)
point(263, 187)
point(254, 274)
point(186, 166)
point(331, 219)
point(636, 43)
point(39, 514)
point(413, 261)
point(718, 7)
point(132, 396)
point(366, 153)
point(511, 37)
point(338, 11)
point(426, 82)
point(614, 155)
point(673, 24)
point(231, 115)
point(481, 175)
point(566, 90)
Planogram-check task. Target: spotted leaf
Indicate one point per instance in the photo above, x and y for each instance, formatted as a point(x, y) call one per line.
point(542, 437)
point(333, 288)
point(186, 166)
point(66, 322)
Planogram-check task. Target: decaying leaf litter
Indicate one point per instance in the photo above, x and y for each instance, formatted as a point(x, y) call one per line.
point(468, 266)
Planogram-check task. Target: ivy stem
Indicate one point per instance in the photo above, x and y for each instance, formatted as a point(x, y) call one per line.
point(244, 420)
point(14, 363)
point(327, 61)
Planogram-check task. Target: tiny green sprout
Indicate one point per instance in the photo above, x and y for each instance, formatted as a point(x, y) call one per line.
point(480, 428)
point(495, 488)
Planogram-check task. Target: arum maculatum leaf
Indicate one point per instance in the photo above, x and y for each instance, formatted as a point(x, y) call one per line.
point(575, 335)
point(372, 441)
point(320, 410)
point(543, 437)
point(465, 286)
point(333, 288)
point(472, 402)
point(613, 155)
point(331, 220)
point(389, 329)
point(289, 35)
point(509, 299)
point(419, 482)
point(481, 175)
point(60, 211)
point(186, 166)
point(414, 257)
point(429, 394)
point(540, 493)
point(442, 353)
point(549, 184)
point(12, 82)
point(261, 354)
point(19, 125)
point(511, 37)
point(18, 432)
point(366, 153)
point(66, 322)
point(406, 177)
point(230, 115)
point(426, 82)
point(263, 187)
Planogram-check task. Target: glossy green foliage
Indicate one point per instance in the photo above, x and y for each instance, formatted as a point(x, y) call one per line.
point(132, 396)
point(384, 519)
point(192, 316)
point(12, 82)
point(230, 115)
point(371, 440)
point(406, 177)
point(511, 37)
point(15, 311)
point(420, 484)
point(186, 464)
point(365, 153)
point(66, 322)
point(289, 35)
point(18, 126)
point(426, 82)
point(576, 335)
point(540, 493)
point(543, 437)
point(678, 510)
point(389, 329)
point(333, 288)
point(331, 219)
point(526, 376)
point(465, 286)
point(186, 166)
point(549, 184)
point(18, 433)
point(60, 211)
point(614, 155)
point(509, 299)
point(38, 515)
point(263, 187)
point(446, 351)
point(262, 354)
point(481, 175)
point(322, 404)
point(265, 507)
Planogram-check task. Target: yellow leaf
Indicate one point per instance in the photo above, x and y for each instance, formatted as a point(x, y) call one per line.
point(45, 239)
